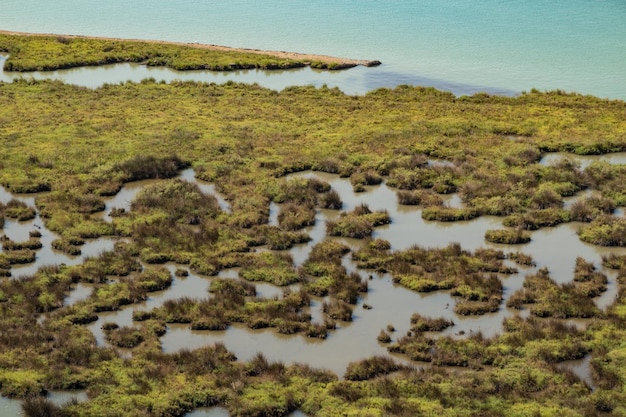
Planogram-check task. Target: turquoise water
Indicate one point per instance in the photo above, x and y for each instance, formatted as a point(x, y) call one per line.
point(493, 45)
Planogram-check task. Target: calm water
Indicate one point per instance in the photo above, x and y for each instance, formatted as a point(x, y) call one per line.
point(500, 46)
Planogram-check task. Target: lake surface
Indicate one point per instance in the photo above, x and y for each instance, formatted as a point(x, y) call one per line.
point(499, 46)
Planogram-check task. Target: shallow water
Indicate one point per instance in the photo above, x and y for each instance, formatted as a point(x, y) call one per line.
point(62, 397)
point(79, 292)
point(356, 81)
point(10, 407)
point(209, 412)
point(582, 369)
point(583, 160)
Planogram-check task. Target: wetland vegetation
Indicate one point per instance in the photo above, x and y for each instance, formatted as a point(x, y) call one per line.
point(75, 148)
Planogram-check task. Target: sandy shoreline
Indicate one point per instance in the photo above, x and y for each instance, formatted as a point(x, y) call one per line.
point(345, 62)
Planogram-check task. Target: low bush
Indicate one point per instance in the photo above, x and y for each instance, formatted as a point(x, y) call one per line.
point(507, 236)
point(370, 368)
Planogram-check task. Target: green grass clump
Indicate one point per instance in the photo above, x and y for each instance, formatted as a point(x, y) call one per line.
point(324, 274)
point(547, 299)
point(294, 217)
point(32, 243)
point(536, 219)
point(370, 368)
point(589, 281)
point(507, 236)
point(448, 214)
point(418, 198)
point(65, 246)
point(124, 337)
point(154, 279)
point(358, 224)
point(20, 256)
point(275, 268)
point(605, 231)
point(420, 323)
point(18, 210)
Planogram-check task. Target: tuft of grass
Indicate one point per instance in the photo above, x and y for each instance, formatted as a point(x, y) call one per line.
point(507, 236)
point(18, 210)
point(420, 323)
point(357, 224)
point(370, 368)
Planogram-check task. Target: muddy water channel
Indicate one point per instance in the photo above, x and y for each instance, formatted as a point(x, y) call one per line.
point(384, 304)
point(357, 80)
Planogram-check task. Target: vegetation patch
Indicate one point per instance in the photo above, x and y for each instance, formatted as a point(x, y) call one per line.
point(370, 368)
point(605, 231)
point(18, 210)
point(426, 270)
point(548, 299)
point(275, 268)
point(507, 236)
point(420, 323)
point(358, 223)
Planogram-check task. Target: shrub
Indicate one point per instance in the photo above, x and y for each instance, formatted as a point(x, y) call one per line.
point(337, 310)
point(427, 324)
point(40, 406)
point(357, 224)
point(605, 231)
point(331, 200)
point(448, 214)
point(18, 210)
point(507, 236)
point(370, 368)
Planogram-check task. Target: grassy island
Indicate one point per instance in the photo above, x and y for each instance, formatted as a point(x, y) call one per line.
point(75, 146)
